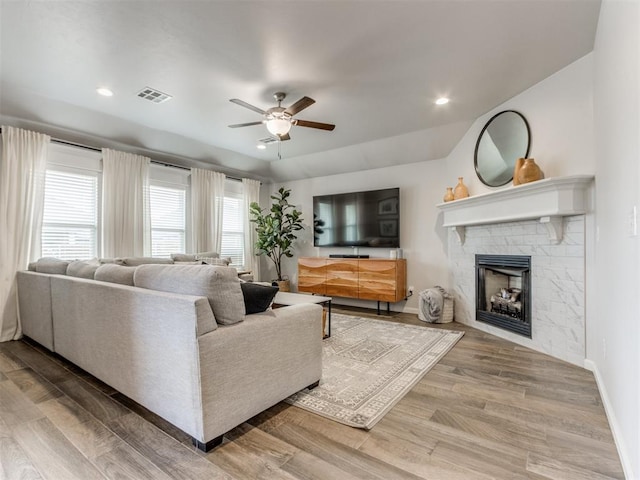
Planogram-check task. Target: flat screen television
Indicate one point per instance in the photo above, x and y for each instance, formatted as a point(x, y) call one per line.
point(359, 219)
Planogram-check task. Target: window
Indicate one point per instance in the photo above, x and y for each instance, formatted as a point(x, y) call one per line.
point(70, 219)
point(233, 223)
point(168, 225)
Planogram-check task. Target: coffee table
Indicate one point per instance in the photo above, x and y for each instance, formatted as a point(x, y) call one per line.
point(288, 298)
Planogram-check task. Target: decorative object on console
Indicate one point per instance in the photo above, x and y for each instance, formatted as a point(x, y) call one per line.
point(529, 172)
point(448, 196)
point(461, 190)
point(505, 138)
point(277, 230)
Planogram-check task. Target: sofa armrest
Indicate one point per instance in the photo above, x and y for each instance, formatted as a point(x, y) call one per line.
point(250, 366)
point(34, 306)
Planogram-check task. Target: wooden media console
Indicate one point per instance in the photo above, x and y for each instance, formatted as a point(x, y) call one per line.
point(363, 278)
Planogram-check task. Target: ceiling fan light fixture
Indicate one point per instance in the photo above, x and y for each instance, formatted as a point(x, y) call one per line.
point(278, 126)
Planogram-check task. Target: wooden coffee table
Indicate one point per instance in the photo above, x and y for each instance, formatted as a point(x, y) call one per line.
point(288, 298)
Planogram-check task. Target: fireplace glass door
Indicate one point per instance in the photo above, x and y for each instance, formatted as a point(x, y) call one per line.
point(503, 292)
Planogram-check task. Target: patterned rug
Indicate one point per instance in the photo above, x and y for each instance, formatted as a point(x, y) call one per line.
point(369, 365)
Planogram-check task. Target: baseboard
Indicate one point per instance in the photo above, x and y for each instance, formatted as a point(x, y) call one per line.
point(611, 417)
point(410, 310)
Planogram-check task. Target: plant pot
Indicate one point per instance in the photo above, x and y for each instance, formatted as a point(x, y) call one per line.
point(283, 285)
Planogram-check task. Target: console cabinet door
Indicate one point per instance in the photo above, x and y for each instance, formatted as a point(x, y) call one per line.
point(378, 280)
point(342, 278)
point(312, 275)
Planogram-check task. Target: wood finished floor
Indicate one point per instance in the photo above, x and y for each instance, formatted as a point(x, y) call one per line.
point(490, 409)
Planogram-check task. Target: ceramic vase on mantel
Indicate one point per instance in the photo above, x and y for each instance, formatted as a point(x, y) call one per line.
point(529, 172)
point(516, 169)
point(461, 190)
point(449, 195)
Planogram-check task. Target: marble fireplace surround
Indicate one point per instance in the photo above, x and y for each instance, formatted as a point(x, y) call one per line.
point(543, 219)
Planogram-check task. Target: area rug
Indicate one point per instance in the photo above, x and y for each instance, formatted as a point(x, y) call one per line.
point(369, 365)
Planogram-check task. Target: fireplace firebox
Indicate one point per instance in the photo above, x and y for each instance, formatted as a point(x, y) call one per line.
point(503, 292)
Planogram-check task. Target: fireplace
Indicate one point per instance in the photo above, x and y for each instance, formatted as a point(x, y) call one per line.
point(503, 292)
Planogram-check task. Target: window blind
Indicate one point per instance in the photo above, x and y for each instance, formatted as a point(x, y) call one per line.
point(168, 213)
point(233, 230)
point(70, 219)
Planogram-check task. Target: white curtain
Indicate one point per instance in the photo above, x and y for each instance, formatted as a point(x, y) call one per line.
point(251, 192)
point(126, 219)
point(22, 173)
point(207, 202)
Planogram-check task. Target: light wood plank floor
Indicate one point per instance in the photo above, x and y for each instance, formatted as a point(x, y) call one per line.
point(489, 410)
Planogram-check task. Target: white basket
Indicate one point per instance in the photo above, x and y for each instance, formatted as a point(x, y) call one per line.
point(447, 309)
point(446, 315)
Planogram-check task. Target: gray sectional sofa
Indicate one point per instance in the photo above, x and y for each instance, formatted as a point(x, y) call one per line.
point(177, 341)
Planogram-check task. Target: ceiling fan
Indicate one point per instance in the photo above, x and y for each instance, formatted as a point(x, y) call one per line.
point(280, 119)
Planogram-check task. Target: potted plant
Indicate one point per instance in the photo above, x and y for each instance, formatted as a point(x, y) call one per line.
point(276, 230)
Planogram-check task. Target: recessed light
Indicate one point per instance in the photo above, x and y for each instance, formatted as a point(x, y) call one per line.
point(261, 147)
point(442, 101)
point(105, 92)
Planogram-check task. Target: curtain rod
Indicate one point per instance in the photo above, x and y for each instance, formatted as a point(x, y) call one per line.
point(96, 149)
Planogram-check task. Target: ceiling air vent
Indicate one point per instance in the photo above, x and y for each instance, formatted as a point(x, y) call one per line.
point(154, 95)
point(268, 140)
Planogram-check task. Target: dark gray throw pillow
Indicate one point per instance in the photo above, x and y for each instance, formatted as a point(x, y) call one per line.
point(257, 298)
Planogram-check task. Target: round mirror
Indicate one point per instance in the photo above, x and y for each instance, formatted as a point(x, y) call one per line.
point(503, 140)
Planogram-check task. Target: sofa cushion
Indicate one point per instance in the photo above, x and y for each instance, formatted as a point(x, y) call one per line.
point(220, 285)
point(51, 265)
point(221, 262)
point(183, 257)
point(190, 257)
point(82, 269)
point(135, 261)
point(257, 298)
point(111, 272)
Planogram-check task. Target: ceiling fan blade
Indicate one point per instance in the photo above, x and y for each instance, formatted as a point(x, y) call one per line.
point(236, 125)
point(247, 105)
point(321, 126)
point(284, 137)
point(300, 105)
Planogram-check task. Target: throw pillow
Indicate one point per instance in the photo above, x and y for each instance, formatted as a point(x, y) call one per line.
point(113, 273)
point(82, 269)
point(221, 262)
point(207, 254)
point(183, 257)
point(52, 265)
point(220, 285)
point(257, 298)
point(135, 261)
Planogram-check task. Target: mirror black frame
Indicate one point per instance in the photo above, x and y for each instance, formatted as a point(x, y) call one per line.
point(475, 153)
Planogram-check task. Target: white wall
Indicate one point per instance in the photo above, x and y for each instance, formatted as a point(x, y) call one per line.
point(422, 240)
point(613, 341)
point(560, 114)
point(559, 111)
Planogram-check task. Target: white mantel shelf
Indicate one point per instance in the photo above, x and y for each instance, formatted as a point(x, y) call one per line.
point(549, 200)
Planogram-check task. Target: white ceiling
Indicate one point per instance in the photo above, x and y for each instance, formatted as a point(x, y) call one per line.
point(373, 67)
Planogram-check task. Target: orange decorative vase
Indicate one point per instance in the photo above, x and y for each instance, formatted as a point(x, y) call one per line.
point(516, 169)
point(529, 172)
point(461, 190)
point(449, 195)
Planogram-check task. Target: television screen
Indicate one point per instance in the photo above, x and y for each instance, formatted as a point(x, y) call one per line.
point(360, 219)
